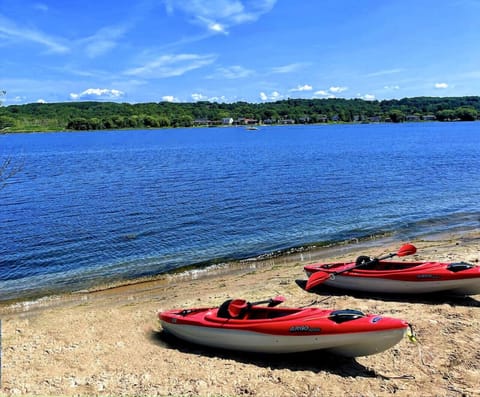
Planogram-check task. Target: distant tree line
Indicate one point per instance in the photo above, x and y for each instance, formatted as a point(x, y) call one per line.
point(7, 167)
point(110, 115)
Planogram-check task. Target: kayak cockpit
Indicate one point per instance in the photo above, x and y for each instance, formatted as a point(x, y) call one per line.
point(374, 265)
point(241, 309)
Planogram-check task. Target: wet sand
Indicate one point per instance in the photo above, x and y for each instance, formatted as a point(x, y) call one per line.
point(109, 342)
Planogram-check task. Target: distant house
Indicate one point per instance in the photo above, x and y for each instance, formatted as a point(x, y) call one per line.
point(304, 120)
point(202, 122)
point(269, 121)
point(429, 117)
point(227, 121)
point(412, 117)
point(246, 121)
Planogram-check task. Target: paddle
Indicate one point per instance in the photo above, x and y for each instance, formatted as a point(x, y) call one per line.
point(271, 302)
point(319, 277)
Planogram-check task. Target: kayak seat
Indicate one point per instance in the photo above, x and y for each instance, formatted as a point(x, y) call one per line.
point(233, 308)
point(223, 309)
point(340, 316)
point(459, 266)
point(366, 263)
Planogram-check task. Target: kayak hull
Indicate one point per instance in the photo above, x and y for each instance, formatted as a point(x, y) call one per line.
point(403, 277)
point(287, 330)
point(347, 345)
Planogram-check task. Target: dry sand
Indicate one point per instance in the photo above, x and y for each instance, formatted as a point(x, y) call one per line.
point(109, 342)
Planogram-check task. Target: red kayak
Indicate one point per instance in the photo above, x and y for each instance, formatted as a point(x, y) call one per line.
point(377, 275)
point(240, 325)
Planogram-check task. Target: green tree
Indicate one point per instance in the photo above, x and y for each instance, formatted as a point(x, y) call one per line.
point(466, 113)
point(6, 122)
point(445, 115)
point(7, 167)
point(396, 115)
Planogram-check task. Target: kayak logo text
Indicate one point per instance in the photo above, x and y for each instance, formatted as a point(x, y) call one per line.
point(304, 328)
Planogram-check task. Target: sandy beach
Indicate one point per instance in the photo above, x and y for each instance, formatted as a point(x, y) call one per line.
point(109, 342)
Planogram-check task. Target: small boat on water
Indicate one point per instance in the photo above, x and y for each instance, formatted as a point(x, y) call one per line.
point(396, 277)
point(251, 128)
point(240, 325)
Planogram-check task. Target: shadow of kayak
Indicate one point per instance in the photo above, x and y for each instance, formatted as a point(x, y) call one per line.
point(439, 298)
point(314, 361)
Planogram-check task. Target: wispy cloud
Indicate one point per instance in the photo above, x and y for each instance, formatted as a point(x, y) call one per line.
point(171, 65)
point(40, 7)
point(290, 68)
point(97, 93)
point(385, 72)
point(10, 31)
point(218, 16)
point(232, 72)
point(300, 88)
point(103, 40)
point(441, 86)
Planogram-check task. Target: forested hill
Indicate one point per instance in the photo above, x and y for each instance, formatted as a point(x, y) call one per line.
point(109, 115)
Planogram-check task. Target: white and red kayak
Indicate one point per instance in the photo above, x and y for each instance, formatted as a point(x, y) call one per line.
point(397, 277)
point(239, 325)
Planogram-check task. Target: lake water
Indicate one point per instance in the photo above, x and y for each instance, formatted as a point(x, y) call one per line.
point(97, 207)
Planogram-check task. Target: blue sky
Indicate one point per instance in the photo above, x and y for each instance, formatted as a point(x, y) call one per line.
point(237, 50)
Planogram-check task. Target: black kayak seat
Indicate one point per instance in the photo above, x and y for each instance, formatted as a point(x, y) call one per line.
point(341, 316)
point(233, 308)
point(459, 266)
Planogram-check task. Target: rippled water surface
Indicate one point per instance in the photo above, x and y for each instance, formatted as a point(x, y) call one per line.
point(95, 207)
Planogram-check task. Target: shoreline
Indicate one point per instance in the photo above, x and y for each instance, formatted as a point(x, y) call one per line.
point(109, 342)
point(307, 252)
point(53, 131)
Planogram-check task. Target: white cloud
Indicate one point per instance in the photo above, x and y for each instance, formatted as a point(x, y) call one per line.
point(392, 87)
point(274, 96)
point(19, 99)
point(337, 90)
point(41, 100)
point(305, 87)
point(10, 31)
point(199, 97)
point(330, 93)
point(218, 16)
point(221, 98)
point(324, 93)
point(171, 65)
point(217, 27)
point(441, 85)
point(366, 97)
point(169, 98)
point(97, 93)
